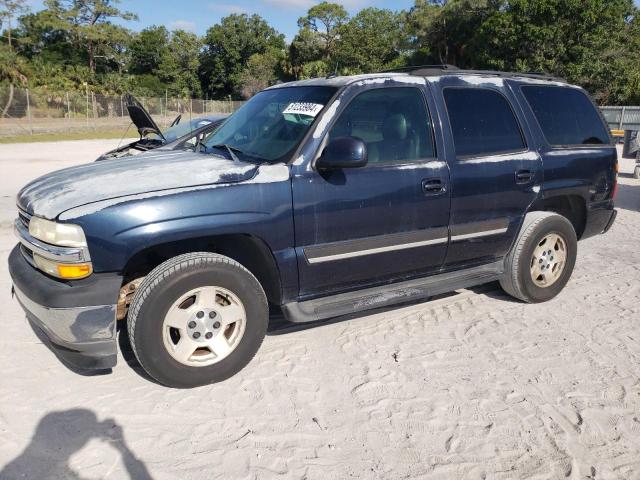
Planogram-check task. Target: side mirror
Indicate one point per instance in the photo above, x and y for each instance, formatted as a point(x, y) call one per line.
point(343, 152)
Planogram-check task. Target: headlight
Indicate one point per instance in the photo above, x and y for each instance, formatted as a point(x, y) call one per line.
point(61, 234)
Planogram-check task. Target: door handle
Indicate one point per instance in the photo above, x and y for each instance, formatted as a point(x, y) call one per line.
point(524, 176)
point(433, 186)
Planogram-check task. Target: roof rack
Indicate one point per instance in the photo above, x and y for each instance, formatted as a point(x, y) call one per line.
point(437, 70)
point(436, 67)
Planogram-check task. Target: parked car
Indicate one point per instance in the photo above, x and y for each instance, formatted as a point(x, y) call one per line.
point(325, 197)
point(180, 135)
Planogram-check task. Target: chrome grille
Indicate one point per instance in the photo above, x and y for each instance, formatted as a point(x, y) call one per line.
point(24, 217)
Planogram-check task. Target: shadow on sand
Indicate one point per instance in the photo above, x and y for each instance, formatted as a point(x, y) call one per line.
point(61, 434)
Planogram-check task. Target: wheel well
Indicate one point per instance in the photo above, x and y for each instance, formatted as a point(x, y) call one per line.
point(572, 207)
point(249, 251)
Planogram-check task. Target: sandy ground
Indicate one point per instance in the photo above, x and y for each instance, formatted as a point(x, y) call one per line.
point(469, 386)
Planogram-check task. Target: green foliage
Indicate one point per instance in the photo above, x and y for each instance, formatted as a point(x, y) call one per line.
point(179, 64)
point(262, 70)
point(371, 41)
point(88, 24)
point(147, 49)
point(325, 21)
point(75, 44)
point(228, 47)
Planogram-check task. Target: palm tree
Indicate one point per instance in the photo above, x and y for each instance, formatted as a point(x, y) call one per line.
point(12, 69)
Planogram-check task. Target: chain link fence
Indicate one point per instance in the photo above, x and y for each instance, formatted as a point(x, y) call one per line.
point(622, 118)
point(24, 111)
point(32, 112)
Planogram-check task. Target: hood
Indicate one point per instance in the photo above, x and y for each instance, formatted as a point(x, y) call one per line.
point(141, 118)
point(52, 194)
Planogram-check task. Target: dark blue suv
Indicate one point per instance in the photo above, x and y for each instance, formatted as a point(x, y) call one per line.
point(323, 197)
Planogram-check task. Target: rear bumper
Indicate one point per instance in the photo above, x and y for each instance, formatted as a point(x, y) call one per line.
point(599, 220)
point(78, 325)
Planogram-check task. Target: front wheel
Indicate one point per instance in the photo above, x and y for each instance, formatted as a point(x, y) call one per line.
point(542, 259)
point(196, 319)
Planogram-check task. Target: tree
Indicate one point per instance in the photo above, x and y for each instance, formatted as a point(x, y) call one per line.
point(306, 47)
point(147, 49)
point(179, 64)
point(325, 20)
point(10, 9)
point(371, 41)
point(88, 22)
point(13, 70)
point(590, 42)
point(445, 31)
point(228, 47)
point(261, 71)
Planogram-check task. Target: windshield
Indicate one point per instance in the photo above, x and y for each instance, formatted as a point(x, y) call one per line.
point(270, 125)
point(183, 128)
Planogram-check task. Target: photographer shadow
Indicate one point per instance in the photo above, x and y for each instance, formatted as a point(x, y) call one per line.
point(61, 434)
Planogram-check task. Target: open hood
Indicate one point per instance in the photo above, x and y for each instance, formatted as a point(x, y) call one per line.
point(141, 118)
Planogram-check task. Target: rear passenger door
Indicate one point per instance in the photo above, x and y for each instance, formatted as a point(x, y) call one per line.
point(386, 221)
point(495, 174)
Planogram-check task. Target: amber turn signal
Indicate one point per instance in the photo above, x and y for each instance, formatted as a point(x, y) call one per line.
point(74, 271)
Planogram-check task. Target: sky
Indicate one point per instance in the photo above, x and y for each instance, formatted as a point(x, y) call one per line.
point(198, 15)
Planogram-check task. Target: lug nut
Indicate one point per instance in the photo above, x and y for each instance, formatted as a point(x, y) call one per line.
point(196, 335)
point(212, 314)
point(200, 314)
point(208, 335)
point(191, 324)
point(216, 325)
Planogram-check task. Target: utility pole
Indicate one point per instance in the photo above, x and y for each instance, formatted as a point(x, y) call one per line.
point(86, 89)
point(29, 113)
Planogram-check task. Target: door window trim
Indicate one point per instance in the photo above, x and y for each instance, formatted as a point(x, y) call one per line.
point(399, 163)
point(525, 148)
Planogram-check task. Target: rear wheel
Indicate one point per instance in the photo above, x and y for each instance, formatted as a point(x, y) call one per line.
point(198, 318)
point(542, 259)
point(636, 172)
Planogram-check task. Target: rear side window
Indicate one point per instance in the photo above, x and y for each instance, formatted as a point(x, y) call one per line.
point(566, 116)
point(482, 122)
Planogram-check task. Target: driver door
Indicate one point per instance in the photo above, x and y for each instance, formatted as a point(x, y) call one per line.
point(386, 221)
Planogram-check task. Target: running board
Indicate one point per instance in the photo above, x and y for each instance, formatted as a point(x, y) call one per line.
point(386, 295)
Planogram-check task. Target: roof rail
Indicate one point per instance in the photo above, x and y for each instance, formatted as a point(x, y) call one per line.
point(437, 70)
point(410, 69)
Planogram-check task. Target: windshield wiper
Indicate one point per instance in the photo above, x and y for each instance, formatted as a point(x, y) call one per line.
point(229, 149)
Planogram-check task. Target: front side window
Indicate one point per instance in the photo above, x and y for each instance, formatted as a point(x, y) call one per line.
point(271, 125)
point(482, 122)
point(566, 116)
point(393, 123)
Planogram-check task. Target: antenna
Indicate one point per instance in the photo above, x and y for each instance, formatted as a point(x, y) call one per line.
point(335, 72)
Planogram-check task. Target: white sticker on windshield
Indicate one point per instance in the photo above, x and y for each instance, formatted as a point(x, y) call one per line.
point(303, 108)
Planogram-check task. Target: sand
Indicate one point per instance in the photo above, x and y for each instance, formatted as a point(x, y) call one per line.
point(472, 386)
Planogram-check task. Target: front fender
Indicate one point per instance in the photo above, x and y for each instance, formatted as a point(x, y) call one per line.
point(117, 231)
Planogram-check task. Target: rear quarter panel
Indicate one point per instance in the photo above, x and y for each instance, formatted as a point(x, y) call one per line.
point(580, 170)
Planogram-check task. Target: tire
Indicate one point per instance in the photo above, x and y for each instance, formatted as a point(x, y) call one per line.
point(155, 344)
point(636, 172)
point(518, 278)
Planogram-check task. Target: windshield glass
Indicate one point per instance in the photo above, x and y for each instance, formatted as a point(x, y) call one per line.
point(181, 129)
point(272, 123)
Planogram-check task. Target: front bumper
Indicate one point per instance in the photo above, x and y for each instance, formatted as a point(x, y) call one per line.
point(77, 318)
